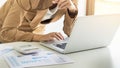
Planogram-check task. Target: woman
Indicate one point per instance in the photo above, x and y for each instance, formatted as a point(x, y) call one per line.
point(19, 18)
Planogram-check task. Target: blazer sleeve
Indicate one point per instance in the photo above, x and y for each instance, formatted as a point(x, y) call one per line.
point(69, 19)
point(34, 4)
point(9, 31)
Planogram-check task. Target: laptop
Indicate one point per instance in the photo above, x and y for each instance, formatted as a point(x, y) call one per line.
point(89, 32)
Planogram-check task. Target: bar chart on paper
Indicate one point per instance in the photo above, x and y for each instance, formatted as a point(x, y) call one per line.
point(45, 58)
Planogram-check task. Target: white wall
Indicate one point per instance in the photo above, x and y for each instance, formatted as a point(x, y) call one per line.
point(106, 7)
point(82, 7)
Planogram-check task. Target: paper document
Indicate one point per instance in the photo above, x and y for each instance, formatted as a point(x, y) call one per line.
point(4, 50)
point(44, 58)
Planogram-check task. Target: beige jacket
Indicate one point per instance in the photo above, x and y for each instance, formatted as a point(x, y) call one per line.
point(19, 18)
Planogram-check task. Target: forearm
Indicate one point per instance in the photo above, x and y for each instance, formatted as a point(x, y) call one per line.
point(70, 16)
point(13, 34)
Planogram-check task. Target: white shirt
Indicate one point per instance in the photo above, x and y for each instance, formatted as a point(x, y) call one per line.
point(50, 13)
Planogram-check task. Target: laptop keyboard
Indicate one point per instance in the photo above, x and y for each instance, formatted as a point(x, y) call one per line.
point(62, 45)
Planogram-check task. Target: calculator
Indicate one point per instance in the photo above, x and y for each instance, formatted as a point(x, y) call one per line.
point(27, 49)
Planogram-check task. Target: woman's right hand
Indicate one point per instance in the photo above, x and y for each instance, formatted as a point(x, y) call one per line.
point(48, 37)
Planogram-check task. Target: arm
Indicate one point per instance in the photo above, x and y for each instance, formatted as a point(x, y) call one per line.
point(10, 32)
point(70, 16)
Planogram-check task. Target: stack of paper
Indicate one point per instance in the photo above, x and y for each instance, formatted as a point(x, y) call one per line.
point(44, 58)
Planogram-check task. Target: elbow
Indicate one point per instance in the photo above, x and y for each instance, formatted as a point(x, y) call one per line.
point(6, 36)
point(72, 14)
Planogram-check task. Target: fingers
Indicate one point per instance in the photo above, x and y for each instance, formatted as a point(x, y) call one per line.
point(59, 36)
point(56, 35)
point(52, 36)
point(61, 3)
point(55, 1)
point(64, 4)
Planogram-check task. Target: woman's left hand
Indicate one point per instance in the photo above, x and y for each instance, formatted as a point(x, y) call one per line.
point(63, 4)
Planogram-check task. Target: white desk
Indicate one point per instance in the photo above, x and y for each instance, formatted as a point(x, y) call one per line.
point(98, 58)
point(108, 57)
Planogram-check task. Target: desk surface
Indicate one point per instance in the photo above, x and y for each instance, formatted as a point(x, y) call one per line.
point(108, 57)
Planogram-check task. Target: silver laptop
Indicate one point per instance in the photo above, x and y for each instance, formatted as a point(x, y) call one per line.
point(89, 32)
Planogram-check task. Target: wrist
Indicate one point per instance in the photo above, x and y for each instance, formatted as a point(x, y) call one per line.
point(36, 37)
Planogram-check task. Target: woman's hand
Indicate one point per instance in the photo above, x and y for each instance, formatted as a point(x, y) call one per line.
point(63, 4)
point(48, 37)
